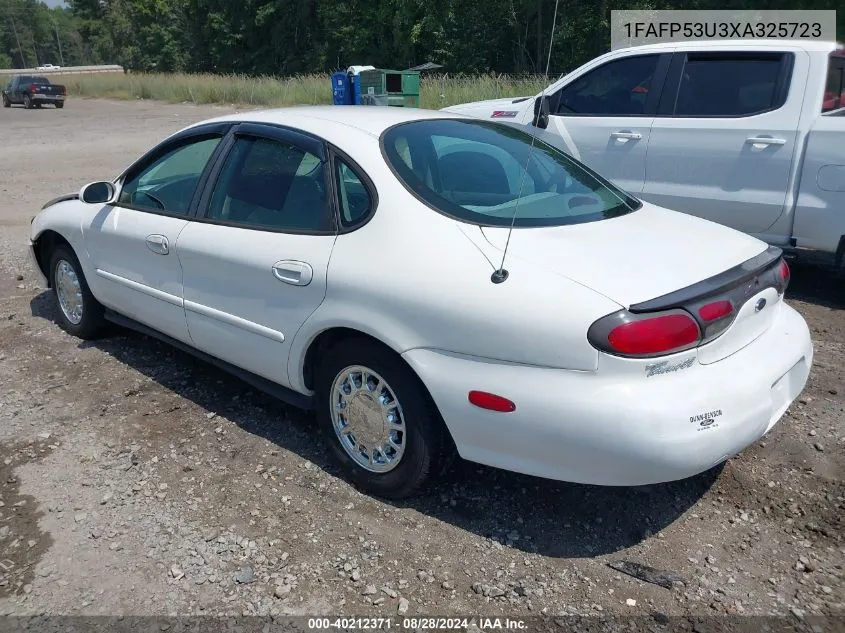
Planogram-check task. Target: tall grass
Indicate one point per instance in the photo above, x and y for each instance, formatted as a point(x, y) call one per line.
point(436, 91)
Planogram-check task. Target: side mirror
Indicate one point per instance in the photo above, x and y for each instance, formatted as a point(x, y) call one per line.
point(98, 193)
point(541, 112)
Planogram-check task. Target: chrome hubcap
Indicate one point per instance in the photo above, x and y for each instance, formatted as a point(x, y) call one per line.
point(368, 419)
point(69, 292)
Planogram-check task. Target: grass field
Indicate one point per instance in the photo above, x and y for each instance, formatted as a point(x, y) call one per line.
point(436, 91)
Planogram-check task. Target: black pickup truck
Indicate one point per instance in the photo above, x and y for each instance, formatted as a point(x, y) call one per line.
point(33, 91)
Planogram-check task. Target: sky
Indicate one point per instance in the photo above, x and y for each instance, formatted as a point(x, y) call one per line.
point(54, 3)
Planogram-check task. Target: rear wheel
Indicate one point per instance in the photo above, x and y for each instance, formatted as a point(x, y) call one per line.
point(60, 105)
point(79, 312)
point(6, 102)
point(379, 420)
point(27, 102)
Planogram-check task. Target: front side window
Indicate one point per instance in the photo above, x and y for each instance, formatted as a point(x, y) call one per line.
point(168, 184)
point(725, 85)
point(617, 88)
point(489, 174)
point(271, 184)
point(834, 90)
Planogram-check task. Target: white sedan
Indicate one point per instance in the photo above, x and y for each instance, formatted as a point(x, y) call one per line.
point(432, 284)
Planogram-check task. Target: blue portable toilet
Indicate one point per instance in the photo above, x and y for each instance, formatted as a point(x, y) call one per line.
point(356, 89)
point(341, 89)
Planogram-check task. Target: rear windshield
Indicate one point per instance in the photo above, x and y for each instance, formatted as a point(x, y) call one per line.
point(834, 90)
point(488, 174)
point(39, 81)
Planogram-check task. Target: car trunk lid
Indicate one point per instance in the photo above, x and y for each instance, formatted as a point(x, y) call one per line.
point(653, 260)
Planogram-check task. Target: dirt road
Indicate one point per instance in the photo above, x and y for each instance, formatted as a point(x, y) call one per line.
point(135, 480)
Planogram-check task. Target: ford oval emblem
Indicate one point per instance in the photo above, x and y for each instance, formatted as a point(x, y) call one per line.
point(761, 303)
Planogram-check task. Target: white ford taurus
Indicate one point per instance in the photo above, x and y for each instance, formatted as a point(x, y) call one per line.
point(353, 260)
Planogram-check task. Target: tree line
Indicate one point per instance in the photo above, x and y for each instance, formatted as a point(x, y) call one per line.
point(285, 37)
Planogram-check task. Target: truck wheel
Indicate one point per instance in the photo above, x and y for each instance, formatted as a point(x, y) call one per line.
point(6, 102)
point(38, 105)
point(27, 102)
point(59, 105)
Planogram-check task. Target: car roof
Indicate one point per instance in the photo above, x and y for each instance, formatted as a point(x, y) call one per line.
point(330, 120)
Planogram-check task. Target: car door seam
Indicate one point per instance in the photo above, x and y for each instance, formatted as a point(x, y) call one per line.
point(182, 269)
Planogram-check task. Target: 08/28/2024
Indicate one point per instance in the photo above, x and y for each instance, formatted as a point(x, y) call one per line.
point(386, 624)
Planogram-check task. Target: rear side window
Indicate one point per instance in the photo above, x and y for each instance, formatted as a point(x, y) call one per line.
point(271, 184)
point(834, 90)
point(718, 85)
point(355, 200)
point(617, 88)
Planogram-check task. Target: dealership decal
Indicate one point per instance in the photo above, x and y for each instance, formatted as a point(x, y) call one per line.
point(504, 114)
point(665, 367)
point(706, 420)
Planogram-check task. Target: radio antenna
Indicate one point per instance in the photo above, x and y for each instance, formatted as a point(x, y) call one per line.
point(542, 112)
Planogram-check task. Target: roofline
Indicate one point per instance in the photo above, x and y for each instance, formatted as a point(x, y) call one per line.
point(313, 113)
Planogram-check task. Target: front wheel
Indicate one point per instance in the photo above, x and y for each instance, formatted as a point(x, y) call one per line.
point(379, 420)
point(6, 102)
point(27, 102)
point(60, 105)
point(79, 312)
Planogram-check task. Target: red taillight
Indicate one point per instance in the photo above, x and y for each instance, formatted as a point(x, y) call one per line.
point(783, 272)
point(657, 335)
point(491, 401)
point(715, 311)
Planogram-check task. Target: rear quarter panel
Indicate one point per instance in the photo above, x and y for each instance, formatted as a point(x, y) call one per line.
point(413, 279)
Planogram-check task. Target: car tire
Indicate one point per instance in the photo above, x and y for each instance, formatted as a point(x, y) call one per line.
point(79, 313)
point(27, 102)
point(426, 447)
point(6, 102)
point(59, 105)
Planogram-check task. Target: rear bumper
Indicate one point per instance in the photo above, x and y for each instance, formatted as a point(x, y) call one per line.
point(607, 429)
point(48, 98)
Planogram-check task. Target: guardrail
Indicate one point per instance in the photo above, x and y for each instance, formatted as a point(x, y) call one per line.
point(69, 70)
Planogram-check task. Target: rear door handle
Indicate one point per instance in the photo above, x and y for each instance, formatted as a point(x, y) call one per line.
point(760, 142)
point(158, 244)
point(293, 272)
point(625, 135)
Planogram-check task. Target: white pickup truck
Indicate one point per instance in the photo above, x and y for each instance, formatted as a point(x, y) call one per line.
point(750, 134)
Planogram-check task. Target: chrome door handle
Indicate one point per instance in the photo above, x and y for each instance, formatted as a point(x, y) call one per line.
point(760, 142)
point(293, 272)
point(624, 135)
point(158, 244)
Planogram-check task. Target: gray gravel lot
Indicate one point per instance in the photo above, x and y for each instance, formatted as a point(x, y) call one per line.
point(135, 480)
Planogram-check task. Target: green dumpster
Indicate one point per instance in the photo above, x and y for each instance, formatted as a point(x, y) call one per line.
point(398, 88)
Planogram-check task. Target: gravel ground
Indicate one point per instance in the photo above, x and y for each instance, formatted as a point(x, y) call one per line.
point(135, 480)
